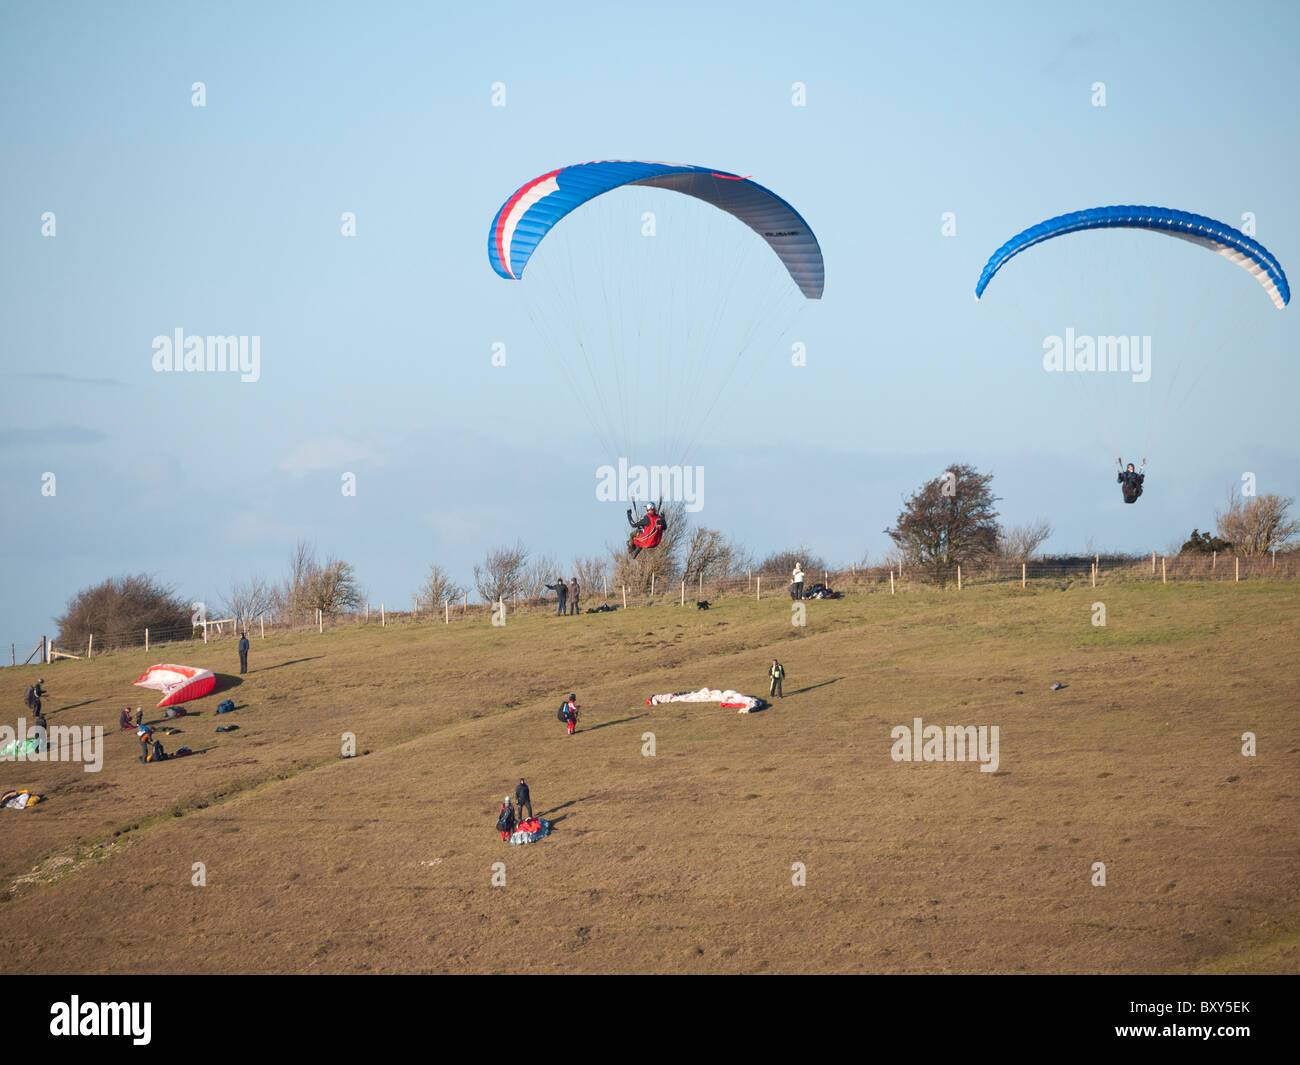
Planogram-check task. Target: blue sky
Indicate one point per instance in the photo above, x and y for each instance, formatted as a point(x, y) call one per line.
point(375, 350)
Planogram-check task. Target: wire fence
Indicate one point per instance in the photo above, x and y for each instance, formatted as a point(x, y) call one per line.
point(1093, 571)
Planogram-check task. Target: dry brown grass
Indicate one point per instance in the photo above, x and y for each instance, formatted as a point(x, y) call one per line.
point(682, 862)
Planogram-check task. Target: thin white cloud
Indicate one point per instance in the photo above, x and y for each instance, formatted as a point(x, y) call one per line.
point(334, 453)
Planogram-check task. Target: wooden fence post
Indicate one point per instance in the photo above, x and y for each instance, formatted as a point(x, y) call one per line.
point(90, 645)
point(1022, 575)
point(959, 578)
point(1214, 560)
point(1162, 572)
point(1153, 563)
point(625, 597)
point(262, 620)
point(383, 618)
point(891, 581)
point(759, 588)
point(683, 603)
point(1237, 568)
point(446, 611)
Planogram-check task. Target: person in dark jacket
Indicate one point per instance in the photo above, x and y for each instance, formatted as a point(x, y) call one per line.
point(506, 819)
point(574, 592)
point(777, 673)
point(561, 591)
point(522, 800)
point(243, 653)
point(1130, 481)
point(33, 696)
point(570, 710)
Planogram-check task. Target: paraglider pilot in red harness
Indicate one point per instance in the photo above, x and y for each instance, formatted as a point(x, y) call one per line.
point(649, 530)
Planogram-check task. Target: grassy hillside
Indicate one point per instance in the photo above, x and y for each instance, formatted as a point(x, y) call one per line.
point(682, 862)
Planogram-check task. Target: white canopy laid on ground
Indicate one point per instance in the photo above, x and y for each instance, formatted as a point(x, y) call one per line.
point(179, 684)
point(728, 698)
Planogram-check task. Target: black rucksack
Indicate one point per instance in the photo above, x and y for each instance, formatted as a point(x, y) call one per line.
point(30, 697)
point(563, 713)
point(159, 755)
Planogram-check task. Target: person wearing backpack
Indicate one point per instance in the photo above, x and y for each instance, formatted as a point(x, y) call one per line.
point(569, 713)
point(33, 696)
point(506, 819)
point(145, 735)
point(777, 673)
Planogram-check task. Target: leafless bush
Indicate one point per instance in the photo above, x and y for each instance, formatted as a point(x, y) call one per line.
point(1256, 525)
point(501, 574)
point(1019, 542)
point(438, 588)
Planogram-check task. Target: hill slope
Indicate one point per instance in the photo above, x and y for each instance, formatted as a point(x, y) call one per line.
point(682, 862)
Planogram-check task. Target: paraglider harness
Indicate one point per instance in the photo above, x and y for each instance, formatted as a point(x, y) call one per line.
point(1131, 481)
point(651, 527)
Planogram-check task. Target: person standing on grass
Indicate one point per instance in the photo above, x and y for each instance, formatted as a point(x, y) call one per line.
point(570, 712)
point(798, 581)
point(777, 673)
point(561, 591)
point(522, 800)
point(33, 696)
point(506, 819)
point(574, 592)
point(243, 653)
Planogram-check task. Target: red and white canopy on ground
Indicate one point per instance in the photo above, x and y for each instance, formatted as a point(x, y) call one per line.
point(179, 684)
point(728, 698)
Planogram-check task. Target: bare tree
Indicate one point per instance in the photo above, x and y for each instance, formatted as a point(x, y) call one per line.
point(540, 572)
point(1256, 525)
point(947, 522)
point(118, 610)
point(311, 586)
point(438, 588)
point(1019, 542)
point(592, 572)
point(711, 555)
point(501, 574)
point(247, 599)
point(334, 587)
point(784, 561)
point(294, 594)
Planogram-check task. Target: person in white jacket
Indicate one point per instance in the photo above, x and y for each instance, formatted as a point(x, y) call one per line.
point(796, 591)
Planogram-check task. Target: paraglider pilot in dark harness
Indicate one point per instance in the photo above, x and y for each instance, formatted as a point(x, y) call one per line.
point(649, 530)
point(1131, 481)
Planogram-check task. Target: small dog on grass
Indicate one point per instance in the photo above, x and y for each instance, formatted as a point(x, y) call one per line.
point(701, 604)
